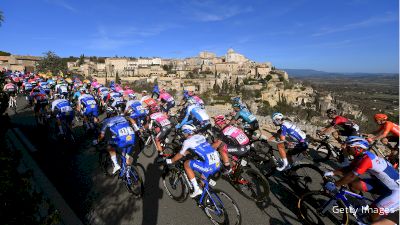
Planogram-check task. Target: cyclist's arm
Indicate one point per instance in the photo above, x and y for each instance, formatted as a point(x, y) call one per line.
point(383, 132)
point(362, 166)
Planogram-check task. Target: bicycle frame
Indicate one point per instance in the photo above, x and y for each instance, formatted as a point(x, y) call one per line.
point(206, 190)
point(341, 195)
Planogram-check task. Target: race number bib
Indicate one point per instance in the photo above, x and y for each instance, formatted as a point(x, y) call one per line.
point(125, 131)
point(252, 117)
point(242, 139)
point(213, 158)
point(165, 122)
point(66, 109)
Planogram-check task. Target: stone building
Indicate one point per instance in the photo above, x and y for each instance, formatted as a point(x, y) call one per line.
point(19, 62)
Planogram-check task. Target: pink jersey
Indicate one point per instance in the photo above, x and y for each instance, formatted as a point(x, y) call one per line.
point(161, 119)
point(95, 84)
point(127, 92)
point(118, 88)
point(166, 97)
point(236, 134)
point(198, 100)
point(10, 87)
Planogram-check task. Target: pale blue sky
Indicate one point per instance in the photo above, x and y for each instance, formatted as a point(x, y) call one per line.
point(336, 36)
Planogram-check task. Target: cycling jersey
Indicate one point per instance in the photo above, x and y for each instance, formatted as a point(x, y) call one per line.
point(137, 109)
point(390, 127)
point(235, 141)
point(209, 163)
point(128, 91)
point(45, 86)
point(345, 126)
point(246, 116)
point(27, 86)
point(63, 109)
point(122, 134)
point(76, 95)
point(116, 98)
point(165, 97)
point(197, 116)
point(198, 100)
point(149, 102)
point(292, 131)
point(386, 183)
point(90, 105)
point(160, 119)
point(62, 89)
point(10, 88)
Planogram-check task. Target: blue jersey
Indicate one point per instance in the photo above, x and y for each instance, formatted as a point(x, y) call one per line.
point(90, 105)
point(246, 115)
point(291, 130)
point(122, 134)
point(137, 108)
point(195, 115)
point(63, 108)
point(28, 86)
point(210, 162)
point(77, 94)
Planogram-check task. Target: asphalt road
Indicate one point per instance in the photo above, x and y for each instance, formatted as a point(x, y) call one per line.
point(98, 199)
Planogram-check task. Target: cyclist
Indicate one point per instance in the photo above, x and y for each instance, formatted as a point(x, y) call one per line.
point(162, 126)
point(62, 89)
point(146, 100)
point(250, 121)
point(385, 128)
point(156, 92)
point(167, 101)
point(196, 116)
point(340, 126)
point(288, 129)
point(88, 107)
point(136, 111)
point(40, 102)
point(122, 138)
point(229, 139)
point(63, 111)
point(10, 88)
point(115, 100)
point(237, 100)
point(384, 181)
point(127, 91)
point(208, 164)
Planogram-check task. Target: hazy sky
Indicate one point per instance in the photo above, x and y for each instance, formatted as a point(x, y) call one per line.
point(336, 36)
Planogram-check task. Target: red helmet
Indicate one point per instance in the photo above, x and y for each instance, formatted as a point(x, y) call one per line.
point(380, 116)
point(220, 119)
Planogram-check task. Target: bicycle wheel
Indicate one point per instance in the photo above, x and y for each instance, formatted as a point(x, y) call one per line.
point(174, 185)
point(252, 185)
point(321, 153)
point(150, 149)
point(306, 176)
point(105, 163)
point(320, 208)
point(221, 208)
point(134, 183)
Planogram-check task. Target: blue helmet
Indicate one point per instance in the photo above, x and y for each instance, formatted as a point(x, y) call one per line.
point(188, 129)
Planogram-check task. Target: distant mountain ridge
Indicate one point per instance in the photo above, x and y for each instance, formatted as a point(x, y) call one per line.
point(317, 73)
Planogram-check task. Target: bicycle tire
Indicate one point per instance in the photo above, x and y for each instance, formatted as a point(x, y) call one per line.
point(105, 163)
point(302, 178)
point(322, 153)
point(307, 199)
point(258, 181)
point(217, 198)
point(135, 185)
point(172, 179)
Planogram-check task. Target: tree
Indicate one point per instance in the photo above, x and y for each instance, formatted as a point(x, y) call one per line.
point(216, 88)
point(81, 60)
point(4, 53)
point(51, 62)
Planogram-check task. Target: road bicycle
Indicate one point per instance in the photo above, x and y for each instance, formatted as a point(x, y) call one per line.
point(219, 207)
point(339, 207)
point(12, 103)
point(128, 174)
point(324, 150)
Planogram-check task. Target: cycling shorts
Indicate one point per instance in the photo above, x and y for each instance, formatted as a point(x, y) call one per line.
point(388, 199)
point(164, 131)
point(91, 111)
point(298, 148)
point(237, 150)
point(63, 116)
point(40, 105)
point(204, 167)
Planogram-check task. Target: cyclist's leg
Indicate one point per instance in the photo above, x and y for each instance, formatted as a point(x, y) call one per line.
point(223, 151)
point(113, 154)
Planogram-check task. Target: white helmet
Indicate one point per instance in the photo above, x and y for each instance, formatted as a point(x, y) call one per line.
point(188, 129)
point(277, 118)
point(132, 96)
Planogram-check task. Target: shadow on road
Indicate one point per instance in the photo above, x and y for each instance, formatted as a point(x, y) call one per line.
point(153, 194)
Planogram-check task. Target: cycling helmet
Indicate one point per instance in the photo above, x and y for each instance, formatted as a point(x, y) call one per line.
point(144, 92)
point(236, 105)
point(82, 89)
point(220, 119)
point(380, 116)
point(331, 111)
point(358, 143)
point(277, 118)
point(110, 111)
point(188, 129)
point(236, 99)
point(191, 101)
point(132, 96)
